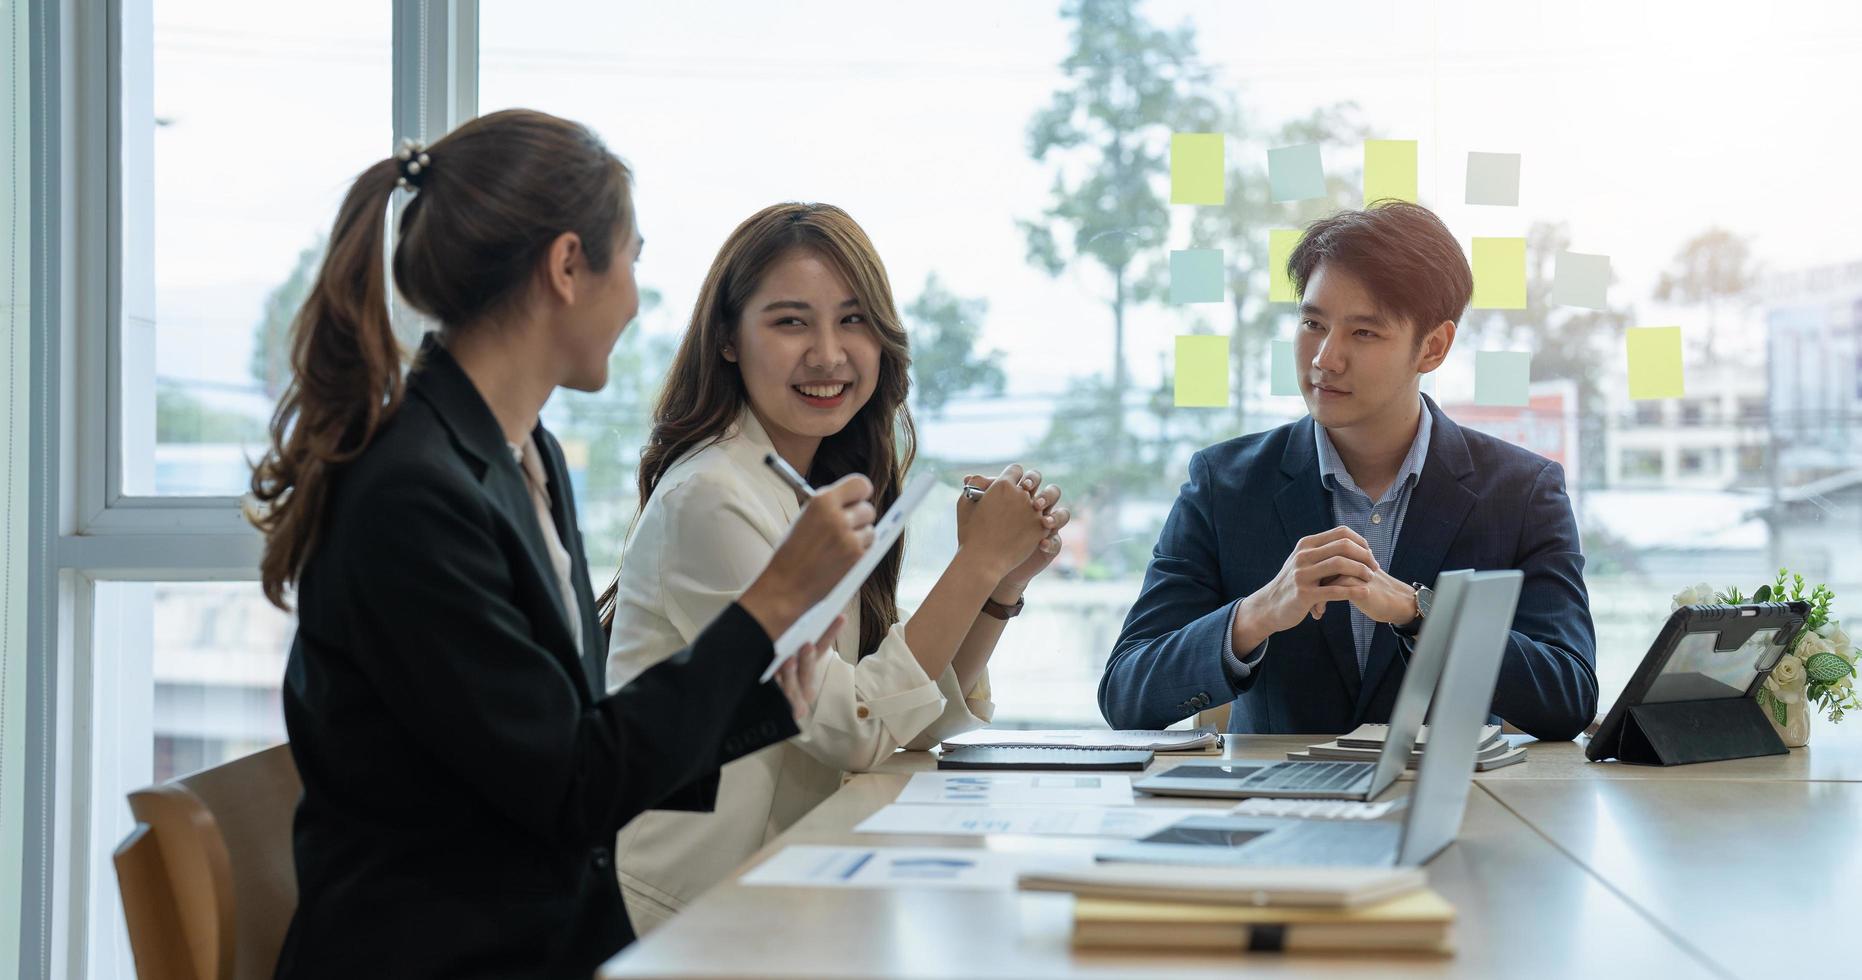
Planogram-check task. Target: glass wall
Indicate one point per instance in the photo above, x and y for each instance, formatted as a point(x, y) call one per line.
point(1011, 163)
point(236, 152)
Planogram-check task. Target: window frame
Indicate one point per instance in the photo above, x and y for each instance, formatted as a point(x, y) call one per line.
point(85, 529)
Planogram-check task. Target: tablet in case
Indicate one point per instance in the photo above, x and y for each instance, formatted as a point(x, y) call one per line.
point(1692, 697)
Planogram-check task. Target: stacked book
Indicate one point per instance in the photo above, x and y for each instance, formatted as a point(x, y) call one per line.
point(1365, 742)
point(1289, 910)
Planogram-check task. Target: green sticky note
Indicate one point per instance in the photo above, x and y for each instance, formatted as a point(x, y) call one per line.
point(1197, 174)
point(1202, 372)
point(1280, 245)
point(1502, 377)
point(1284, 377)
point(1499, 274)
point(1389, 170)
point(1654, 362)
point(1196, 275)
point(1294, 173)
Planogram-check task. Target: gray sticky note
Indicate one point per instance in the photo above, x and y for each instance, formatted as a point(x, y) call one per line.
point(1284, 379)
point(1580, 280)
point(1294, 172)
point(1493, 178)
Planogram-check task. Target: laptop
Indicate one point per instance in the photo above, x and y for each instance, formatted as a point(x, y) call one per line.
point(1476, 644)
point(1317, 780)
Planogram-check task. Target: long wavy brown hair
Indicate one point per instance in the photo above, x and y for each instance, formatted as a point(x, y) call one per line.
point(704, 393)
point(496, 193)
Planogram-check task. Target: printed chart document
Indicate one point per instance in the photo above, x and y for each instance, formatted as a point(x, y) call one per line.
point(1127, 822)
point(1038, 788)
point(815, 621)
point(824, 866)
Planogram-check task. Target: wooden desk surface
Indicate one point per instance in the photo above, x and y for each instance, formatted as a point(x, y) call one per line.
point(1526, 907)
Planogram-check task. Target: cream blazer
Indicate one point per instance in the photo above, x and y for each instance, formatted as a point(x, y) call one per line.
point(704, 536)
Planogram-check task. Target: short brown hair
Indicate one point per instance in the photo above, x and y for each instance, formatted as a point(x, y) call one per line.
point(1402, 252)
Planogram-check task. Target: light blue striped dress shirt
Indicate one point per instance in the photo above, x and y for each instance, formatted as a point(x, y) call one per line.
point(1379, 522)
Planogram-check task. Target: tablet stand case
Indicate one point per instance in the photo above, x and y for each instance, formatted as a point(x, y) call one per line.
point(1676, 733)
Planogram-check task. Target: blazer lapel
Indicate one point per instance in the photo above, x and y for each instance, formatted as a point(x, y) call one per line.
point(1438, 505)
point(562, 509)
point(443, 383)
point(1304, 510)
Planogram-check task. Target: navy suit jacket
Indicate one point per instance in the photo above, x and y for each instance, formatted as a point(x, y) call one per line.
point(1481, 503)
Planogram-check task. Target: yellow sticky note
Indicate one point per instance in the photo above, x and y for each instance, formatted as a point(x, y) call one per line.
point(1197, 174)
point(1280, 245)
point(1499, 274)
point(1202, 372)
point(1389, 170)
point(1654, 362)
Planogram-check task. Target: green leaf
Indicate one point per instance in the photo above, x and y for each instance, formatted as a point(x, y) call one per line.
point(1826, 667)
point(1763, 594)
point(1772, 706)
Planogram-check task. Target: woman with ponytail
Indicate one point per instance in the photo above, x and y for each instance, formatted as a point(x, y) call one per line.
point(464, 774)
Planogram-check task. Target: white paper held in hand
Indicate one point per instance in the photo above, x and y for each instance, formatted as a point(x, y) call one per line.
point(886, 532)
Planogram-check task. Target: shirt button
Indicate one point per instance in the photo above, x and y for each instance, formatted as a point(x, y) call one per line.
point(862, 712)
point(1377, 518)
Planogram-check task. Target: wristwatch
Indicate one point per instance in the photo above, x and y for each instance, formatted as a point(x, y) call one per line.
point(1425, 597)
point(1000, 611)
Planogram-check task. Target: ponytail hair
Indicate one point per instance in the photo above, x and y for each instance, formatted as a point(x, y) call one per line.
point(496, 193)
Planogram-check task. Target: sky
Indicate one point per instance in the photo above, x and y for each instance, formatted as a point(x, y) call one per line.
point(1639, 125)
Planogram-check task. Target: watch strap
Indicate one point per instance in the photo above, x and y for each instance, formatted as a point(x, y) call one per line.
point(1000, 611)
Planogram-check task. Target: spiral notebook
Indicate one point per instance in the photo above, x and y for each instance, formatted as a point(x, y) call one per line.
point(1061, 758)
point(1089, 738)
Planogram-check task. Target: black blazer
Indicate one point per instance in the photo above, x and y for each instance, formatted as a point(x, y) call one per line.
point(463, 776)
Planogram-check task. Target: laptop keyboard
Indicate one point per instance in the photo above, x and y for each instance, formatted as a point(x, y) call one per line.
point(1318, 776)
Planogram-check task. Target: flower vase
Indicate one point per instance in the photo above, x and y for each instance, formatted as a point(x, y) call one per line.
point(1795, 732)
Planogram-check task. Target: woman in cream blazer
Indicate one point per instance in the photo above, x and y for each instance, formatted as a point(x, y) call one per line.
point(715, 512)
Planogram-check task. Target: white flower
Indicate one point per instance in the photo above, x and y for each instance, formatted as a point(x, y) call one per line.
point(1841, 685)
point(1787, 679)
point(1809, 645)
point(1839, 641)
point(1694, 595)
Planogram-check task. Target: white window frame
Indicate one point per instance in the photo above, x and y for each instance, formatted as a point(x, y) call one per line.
point(85, 528)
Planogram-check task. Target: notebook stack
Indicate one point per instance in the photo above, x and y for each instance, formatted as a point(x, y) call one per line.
point(1254, 910)
point(1366, 741)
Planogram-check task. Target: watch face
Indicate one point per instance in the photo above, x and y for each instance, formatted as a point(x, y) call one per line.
point(1425, 597)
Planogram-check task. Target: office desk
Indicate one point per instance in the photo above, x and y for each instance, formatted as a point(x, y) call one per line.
point(1540, 889)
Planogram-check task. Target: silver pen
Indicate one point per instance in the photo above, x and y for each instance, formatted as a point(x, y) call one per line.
point(788, 474)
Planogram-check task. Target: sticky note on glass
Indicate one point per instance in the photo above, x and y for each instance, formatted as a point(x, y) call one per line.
point(1283, 378)
point(1202, 372)
point(1493, 178)
point(1294, 173)
point(1196, 275)
point(1580, 280)
point(1499, 274)
point(1654, 362)
point(1502, 377)
point(1280, 245)
point(1389, 170)
point(1197, 173)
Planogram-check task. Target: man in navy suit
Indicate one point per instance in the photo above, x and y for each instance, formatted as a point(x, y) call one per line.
point(1289, 576)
